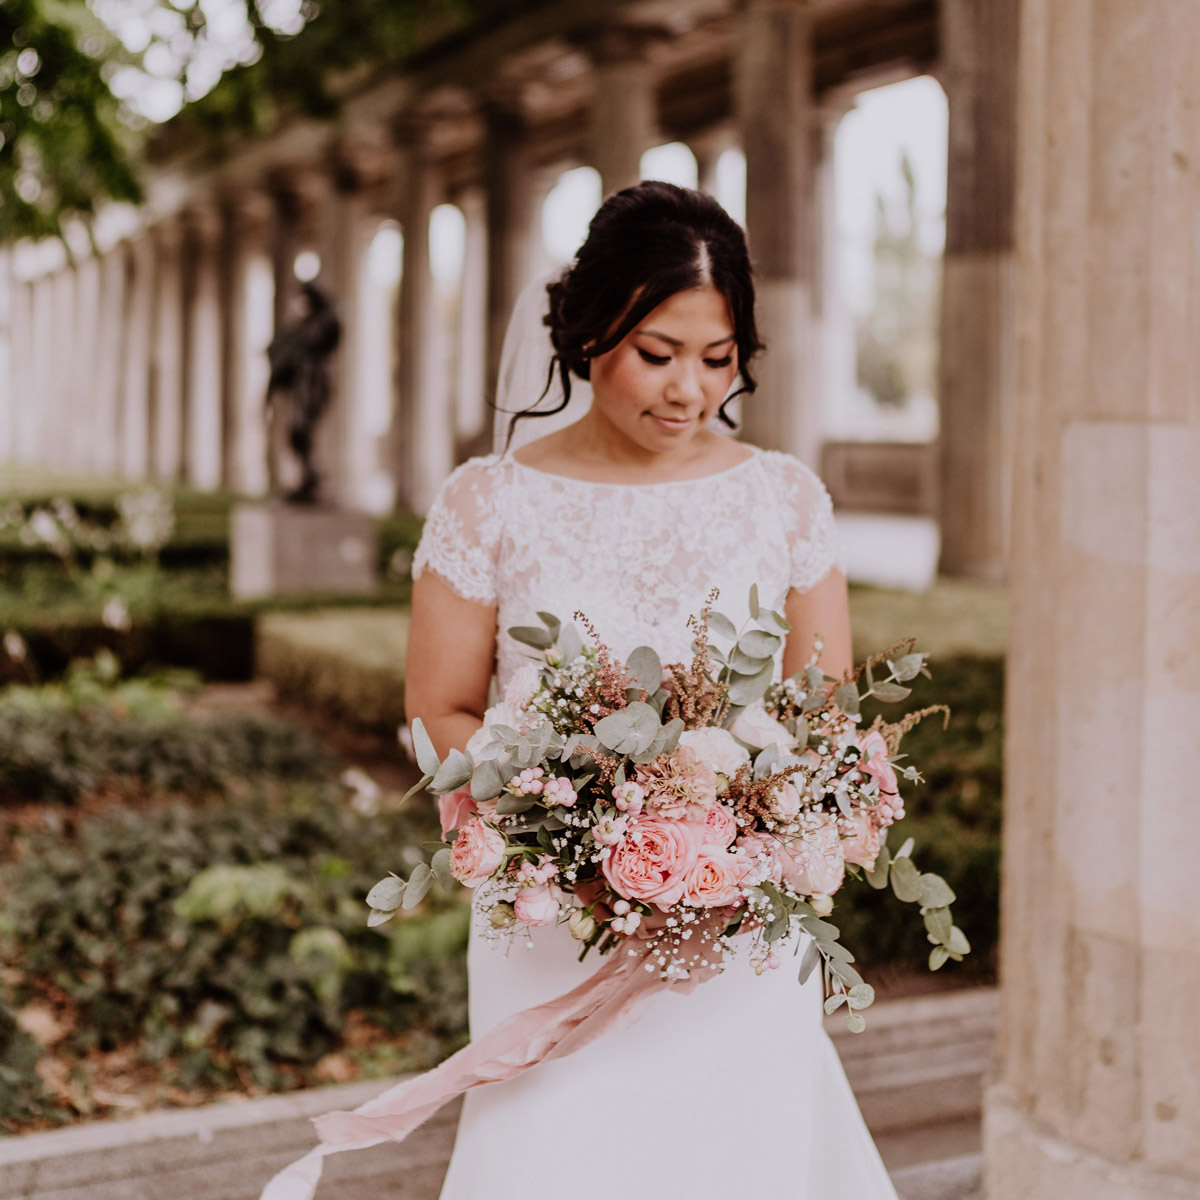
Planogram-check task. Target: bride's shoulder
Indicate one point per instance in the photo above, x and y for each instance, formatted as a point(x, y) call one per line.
point(789, 472)
point(476, 478)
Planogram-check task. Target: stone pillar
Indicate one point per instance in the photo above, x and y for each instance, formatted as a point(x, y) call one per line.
point(1097, 1089)
point(7, 378)
point(707, 149)
point(622, 115)
point(135, 382)
point(248, 317)
point(105, 454)
point(43, 350)
point(21, 323)
point(78, 436)
point(166, 402)
point(774, 86)
point(473, 425)
point(976, 363)
point(202, 372)
point(424, 427)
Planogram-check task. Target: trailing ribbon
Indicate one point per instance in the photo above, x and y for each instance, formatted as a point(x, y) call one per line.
point(612, 998)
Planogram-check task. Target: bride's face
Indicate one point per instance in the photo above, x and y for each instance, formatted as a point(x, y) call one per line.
point(666, 379)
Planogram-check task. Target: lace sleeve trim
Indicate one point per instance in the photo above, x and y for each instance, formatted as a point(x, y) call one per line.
point(815, 548)
point(452, 545)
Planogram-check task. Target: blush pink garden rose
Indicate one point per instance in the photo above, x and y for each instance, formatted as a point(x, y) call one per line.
point(761, 855)
point(719, 826)
point(455, 808)
point(717, 747)
point(652, 863)
point(785, 802)
point(876, 765)
point(860, 845)
point(477, 852)
point(715, 880)
point(535, 906)
point(813, 861)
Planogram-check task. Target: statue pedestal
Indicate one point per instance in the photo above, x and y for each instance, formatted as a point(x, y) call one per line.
point(278, 548)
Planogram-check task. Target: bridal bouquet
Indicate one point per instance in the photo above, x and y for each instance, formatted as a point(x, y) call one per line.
point(664, 812)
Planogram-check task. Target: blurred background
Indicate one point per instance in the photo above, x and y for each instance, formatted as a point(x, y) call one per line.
point(206, 204)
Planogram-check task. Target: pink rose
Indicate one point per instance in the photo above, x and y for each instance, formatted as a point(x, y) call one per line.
point(536, 906)
point(756, 727)
point(719, 826)
point(876, 765)
point(813, 862)
point(861, 845)
point(715, 880)
point(477, 852)
point(785, 802)
point(454, 808)
point(653, 861)
point(760, 853)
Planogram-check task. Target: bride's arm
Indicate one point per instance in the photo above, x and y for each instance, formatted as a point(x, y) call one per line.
point(824, 610)
point(451, 650)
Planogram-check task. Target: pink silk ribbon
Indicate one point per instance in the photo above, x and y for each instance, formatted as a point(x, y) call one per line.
point(612, 998)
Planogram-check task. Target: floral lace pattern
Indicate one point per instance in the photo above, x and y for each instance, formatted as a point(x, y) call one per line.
point(637, 560)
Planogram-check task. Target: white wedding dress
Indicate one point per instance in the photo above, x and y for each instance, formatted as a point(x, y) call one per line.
point(734, 1089)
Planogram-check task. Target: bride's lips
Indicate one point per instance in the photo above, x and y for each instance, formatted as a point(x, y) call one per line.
point(674, 424)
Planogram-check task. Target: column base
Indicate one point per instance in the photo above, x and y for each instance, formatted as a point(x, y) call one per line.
point(278, 549)
point(1025, 1161)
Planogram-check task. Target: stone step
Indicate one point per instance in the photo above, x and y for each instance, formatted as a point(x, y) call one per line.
point(918, 1075)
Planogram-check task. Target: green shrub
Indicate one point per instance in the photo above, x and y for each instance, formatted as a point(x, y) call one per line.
point(954, 817)
point(228, 941)
point(22, 1093)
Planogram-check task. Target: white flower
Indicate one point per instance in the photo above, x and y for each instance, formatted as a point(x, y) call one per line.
point(718, 748)
point(498, 714)
point(522, 687)
point(756, 728)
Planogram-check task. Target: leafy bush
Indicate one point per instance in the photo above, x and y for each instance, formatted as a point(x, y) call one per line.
point(64, 741)
point(954, 817)
point(227, 943)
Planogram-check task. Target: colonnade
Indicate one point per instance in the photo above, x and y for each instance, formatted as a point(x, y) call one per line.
point(147, 361)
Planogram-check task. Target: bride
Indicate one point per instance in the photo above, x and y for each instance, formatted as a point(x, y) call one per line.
point(631, 515)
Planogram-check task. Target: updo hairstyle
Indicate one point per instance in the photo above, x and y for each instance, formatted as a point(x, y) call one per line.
point(644, 244)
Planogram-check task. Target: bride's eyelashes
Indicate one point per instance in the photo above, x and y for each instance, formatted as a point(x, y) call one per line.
point(661, 360)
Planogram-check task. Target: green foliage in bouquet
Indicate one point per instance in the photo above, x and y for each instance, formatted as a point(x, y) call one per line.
point(605, 725)
point(222, 942)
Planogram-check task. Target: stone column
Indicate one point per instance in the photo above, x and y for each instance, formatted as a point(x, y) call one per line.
point(202, 372)
point(1097, 1088)
point(21, 323)
point(707, 149)
point(513, 193)
point(976, 362)
point(248, 316)
point(166, 404)
point(472, 417)
point(424, 425)
point(105, 452)
point(623, 117)
point(135, 382)
point(8, 285)
point(774, 88)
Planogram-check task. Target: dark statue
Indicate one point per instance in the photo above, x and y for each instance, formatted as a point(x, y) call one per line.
point(299, 358)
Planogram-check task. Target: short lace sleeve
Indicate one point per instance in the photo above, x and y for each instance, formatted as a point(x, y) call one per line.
point(461, 533)
point(808, 514)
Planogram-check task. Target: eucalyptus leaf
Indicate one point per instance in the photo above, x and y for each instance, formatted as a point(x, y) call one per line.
point(821, 930)
point(846, 698)
point(908, 667)
point(570, 644)
point(777, 927)
point(957, 943)
point(440, 865)
point(646, 667)
point(906, 880)
point(629, 730)
point(510, 806)
point(531, 635)
point(937, 957)
point(906, 849)
point(862, 996)
point(855, 1022)
point(939, 924)
point(891, 693)
point(877, 876)
point(812, 702)
point(774, 621)
point(419, 883)
point(419, 786)
point(552, 623)
point(455, 770)
point(801, 731)
point(813, 679)
point(672, 731)
point(745, 689)
point(834, 1002)
point(427, 758)
point(721, 625)
point(486, 782)
point(386, 894)
point(812, 956)
point(755, 607)
point(755, 643)
point(378, 916)
point(846, 973)
point(838, 951)
point(936, 892)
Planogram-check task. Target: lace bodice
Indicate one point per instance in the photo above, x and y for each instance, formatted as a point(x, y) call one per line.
point(636, 559)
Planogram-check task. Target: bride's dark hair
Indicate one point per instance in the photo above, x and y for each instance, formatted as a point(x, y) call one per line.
point(644, 244)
